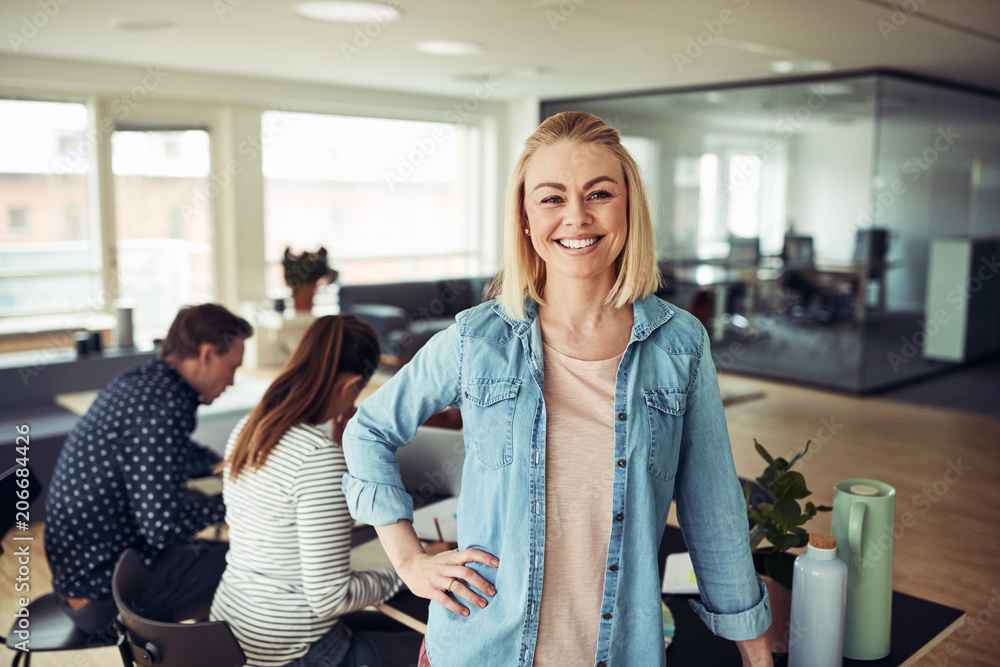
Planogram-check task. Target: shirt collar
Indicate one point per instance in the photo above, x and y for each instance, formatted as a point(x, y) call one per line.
point(648, 313)
point(158, 365)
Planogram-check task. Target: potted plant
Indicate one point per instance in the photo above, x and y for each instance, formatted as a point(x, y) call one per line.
point(303, 273)
point(773, 505)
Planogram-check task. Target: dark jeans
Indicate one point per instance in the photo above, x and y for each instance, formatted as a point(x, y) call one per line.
point(367, 648)
point(179, 585)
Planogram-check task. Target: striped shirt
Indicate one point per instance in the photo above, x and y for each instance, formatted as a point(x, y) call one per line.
point(288, 577)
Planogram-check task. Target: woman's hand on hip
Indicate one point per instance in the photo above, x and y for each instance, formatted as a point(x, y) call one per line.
point(435, 576)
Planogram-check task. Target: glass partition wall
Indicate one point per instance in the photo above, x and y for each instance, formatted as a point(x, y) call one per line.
point(796, 219)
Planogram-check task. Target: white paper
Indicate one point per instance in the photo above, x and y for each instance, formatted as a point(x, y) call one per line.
point(446, 512)
point(678, 576)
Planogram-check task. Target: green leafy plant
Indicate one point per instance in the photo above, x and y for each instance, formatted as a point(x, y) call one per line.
point(781, 519)
point(309, 267)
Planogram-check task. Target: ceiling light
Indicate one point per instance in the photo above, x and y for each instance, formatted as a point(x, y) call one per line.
point(334, 11)
point(526, 73)
point(832, 88)
point(448, 48)
point(144, 25)
point(800, 66)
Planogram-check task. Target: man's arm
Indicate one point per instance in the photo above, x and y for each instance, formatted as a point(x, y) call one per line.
point(199, 460)
point(152, 460)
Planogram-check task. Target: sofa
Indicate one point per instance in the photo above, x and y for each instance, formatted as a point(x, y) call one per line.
point(405, 315)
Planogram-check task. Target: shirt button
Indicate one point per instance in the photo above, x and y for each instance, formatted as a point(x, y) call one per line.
point(619, 517)
point(622, 416)
point(613, 568)
point(606, 617)
point(621, 463)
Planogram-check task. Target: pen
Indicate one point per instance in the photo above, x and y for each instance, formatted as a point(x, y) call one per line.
point(438, 526)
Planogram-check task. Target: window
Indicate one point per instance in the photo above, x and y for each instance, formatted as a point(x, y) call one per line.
point(163, 218)
point(49, 260)
point(391, 200)
point(741, 194)
point(18, 222)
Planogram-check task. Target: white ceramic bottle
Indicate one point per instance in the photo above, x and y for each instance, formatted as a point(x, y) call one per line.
point(819, 599)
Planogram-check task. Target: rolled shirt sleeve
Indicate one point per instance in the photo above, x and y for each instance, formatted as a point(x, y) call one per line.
point(388, 420)
point(712, 514)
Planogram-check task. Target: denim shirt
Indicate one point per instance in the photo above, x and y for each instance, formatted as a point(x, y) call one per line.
point(670, 440)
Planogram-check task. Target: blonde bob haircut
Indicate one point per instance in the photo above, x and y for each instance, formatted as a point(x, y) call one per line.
point(523, 272)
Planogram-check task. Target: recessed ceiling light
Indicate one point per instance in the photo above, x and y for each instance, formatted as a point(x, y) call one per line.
point(448, 48)
point(144, 25)
point(832, 88)
point(334, 11)
point(525, 73)
point(800, 66)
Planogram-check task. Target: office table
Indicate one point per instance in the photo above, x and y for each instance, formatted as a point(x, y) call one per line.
point(917, 625)
point(721, 279)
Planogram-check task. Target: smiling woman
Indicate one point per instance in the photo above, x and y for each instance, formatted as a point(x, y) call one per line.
point(590, 405)
point(577, 178)
point(576, 205)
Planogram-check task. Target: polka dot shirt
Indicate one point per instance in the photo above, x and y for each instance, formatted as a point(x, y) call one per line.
point(121, 479)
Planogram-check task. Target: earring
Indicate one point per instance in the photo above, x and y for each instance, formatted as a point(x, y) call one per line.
point(526, 232)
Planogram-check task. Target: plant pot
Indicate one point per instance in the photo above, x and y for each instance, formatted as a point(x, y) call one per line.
point(302, 296)
point(781, 613)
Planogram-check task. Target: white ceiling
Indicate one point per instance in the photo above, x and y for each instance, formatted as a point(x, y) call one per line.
point(533, 48)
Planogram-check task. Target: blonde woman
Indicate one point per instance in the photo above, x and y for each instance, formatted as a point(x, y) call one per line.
point(588, 404)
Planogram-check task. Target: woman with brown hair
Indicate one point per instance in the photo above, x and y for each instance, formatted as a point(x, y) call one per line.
point(288, 579)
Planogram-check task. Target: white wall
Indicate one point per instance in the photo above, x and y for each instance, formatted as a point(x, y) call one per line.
point(826, 205)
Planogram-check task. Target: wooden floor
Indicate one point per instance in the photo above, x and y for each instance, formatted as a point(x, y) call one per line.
point(950, 552)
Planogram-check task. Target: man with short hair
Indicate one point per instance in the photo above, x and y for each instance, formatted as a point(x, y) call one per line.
point(121, 478)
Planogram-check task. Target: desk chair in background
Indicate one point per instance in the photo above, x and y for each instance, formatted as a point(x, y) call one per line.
point(146, 642)
point(798, 252)
point(51, 630)
point(743, 252)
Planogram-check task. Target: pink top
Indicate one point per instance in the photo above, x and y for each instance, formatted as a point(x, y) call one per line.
point(579, 470)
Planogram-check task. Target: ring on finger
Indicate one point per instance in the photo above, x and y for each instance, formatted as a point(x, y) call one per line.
point(450, 583)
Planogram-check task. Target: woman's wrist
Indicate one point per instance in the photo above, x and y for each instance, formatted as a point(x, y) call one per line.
point(401, 545)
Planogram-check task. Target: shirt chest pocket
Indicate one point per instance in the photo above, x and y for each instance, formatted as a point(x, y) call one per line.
point(488, 418)
point(665, 409)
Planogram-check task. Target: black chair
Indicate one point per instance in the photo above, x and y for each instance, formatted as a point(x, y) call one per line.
point(146, 642)
point(50, 629)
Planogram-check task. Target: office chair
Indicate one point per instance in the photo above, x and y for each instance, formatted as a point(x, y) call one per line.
point(51, 630)
point(146, 642)
point(743, 252)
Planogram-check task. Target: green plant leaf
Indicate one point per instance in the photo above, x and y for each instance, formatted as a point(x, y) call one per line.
point(789, 509)
point(799, 536)
point(763, 452)
point(780, 464)
point(800, 454)
point(792, 485)
point(767, 477)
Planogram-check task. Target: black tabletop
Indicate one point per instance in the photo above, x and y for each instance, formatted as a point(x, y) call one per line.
point(915, 621)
